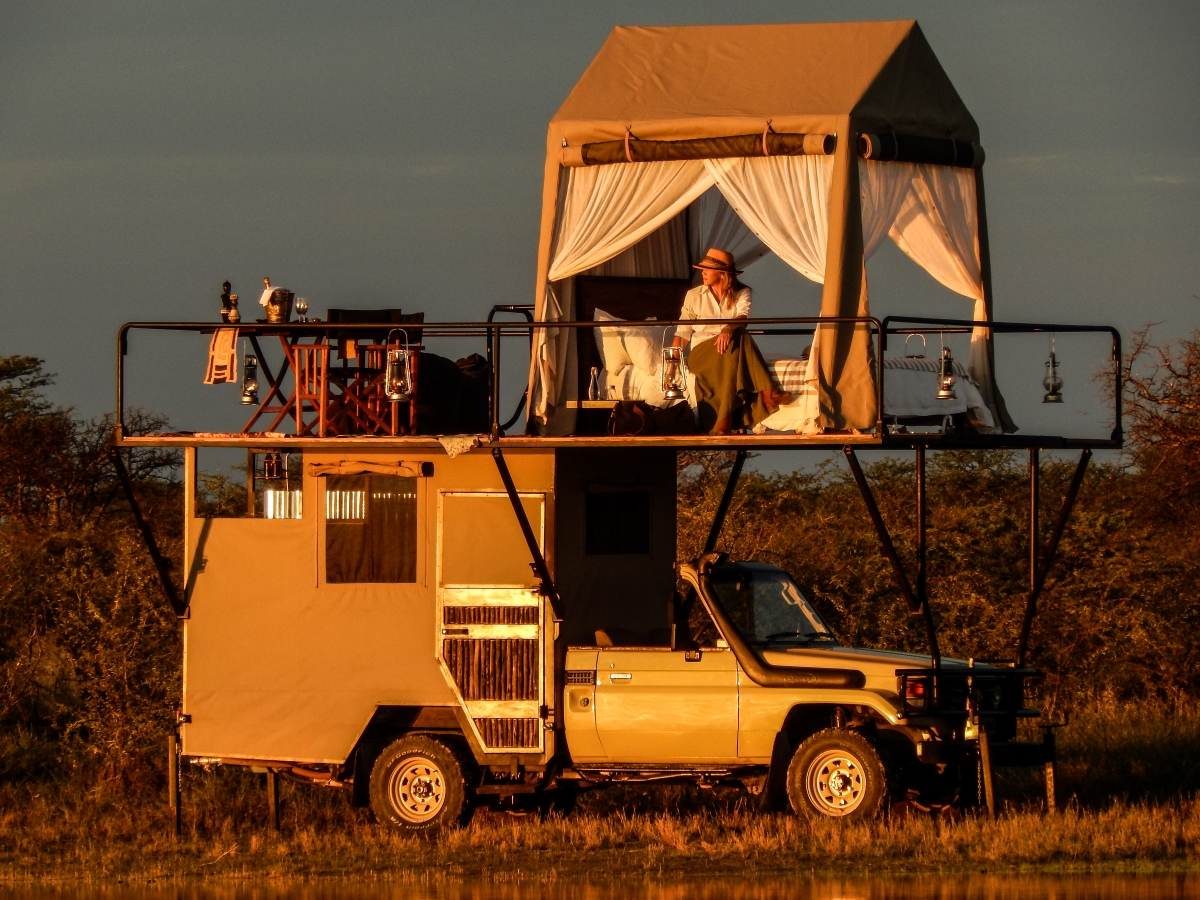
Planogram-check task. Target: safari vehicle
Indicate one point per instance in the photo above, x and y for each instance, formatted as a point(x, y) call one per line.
point(432, 607)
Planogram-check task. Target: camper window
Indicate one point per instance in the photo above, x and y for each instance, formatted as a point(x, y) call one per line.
point(370, 529)
point(616, 523)
point(238, 484)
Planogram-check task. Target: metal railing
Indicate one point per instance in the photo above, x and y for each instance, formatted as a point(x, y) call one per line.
point(932, 325)
point(494, 333)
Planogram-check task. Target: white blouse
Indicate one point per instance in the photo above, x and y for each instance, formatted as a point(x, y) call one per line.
point(702, 303)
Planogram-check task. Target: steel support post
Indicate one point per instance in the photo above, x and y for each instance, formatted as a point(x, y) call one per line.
point(494, 359)
point(915, 606)
point(250, 483)
point(1038, 582)
point(539, 561)
point(922, 527)
point(161, 565)
point(174, 796)
point(714, 533)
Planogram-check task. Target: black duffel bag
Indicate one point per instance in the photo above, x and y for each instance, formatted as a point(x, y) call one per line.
point(637, 418)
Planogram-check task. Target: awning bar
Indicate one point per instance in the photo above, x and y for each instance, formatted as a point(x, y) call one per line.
point(883, 147)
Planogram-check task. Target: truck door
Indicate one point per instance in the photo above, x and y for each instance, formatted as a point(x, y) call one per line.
point(491, 644)
point(656, 705)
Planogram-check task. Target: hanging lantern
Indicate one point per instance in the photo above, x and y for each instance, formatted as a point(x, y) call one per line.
point(674, 377)
point(1052, 383)
point(279, 499)
point(920, 355)
point(250, 381)
point(397, 376)
point(946, 377)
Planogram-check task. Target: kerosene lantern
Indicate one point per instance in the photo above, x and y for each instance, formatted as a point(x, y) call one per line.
point(674, 379)
point(397, 376)
point(250, 381)
point(1052, 382)
point(946, 377)
point(280, 500)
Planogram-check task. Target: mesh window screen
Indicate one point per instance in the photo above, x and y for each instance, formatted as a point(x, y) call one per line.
point(370, 529)
point(617, 523)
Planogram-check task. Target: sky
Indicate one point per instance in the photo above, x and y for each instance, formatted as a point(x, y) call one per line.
point(390, 154)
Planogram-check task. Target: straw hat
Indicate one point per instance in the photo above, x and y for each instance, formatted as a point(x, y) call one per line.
point(721, 260)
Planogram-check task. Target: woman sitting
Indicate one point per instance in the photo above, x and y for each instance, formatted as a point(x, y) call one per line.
point(734, 389)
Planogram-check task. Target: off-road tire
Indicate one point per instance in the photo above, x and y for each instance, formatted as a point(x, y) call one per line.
point(837, 774)
point(419, 785)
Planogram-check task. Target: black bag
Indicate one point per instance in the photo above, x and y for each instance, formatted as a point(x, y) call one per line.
point(639, 418)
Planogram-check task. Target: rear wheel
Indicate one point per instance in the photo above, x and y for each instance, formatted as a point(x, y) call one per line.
point(418, 785)
point(837, 774)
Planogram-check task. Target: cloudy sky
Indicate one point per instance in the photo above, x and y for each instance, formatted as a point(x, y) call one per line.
point(390, 154)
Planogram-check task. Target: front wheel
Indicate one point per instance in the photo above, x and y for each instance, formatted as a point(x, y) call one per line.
point(418, 785)
point(837, 774)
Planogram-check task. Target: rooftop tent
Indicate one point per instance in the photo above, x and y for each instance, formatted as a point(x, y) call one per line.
point(822, 138)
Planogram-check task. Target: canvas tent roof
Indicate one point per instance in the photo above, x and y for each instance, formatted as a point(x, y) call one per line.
point(699, 81)
point(693, 82)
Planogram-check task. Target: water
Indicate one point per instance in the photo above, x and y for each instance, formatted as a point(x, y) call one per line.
point(922, 887)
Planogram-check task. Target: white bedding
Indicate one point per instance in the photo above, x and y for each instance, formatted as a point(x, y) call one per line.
point(631, 355)
point(910, 389)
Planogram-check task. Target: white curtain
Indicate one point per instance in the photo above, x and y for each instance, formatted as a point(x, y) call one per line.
point(785, 201)
point(883, 187)
point(661, 254)
point(602, 211)
point(712, 222)
point(938, 227)
point(607, 209)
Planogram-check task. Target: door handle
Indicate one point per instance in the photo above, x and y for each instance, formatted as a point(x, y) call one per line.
point(620, 676)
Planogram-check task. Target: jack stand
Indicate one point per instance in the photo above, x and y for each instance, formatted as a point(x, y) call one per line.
point(173, 793)
point(985, 764)
point(273, 799)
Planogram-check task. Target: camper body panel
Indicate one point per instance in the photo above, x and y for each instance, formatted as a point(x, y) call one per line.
point(280, 664)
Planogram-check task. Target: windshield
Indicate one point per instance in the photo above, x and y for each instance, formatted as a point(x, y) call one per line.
point(765, 604)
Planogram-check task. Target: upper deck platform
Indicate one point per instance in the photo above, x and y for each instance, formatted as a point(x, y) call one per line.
point(306, 398)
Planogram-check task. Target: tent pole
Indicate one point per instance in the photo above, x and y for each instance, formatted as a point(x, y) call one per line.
point(844, 351)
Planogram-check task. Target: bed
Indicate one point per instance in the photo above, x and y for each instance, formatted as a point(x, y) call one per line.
point(627, 354)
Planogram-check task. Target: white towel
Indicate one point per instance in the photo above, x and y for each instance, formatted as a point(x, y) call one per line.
point(222, 357)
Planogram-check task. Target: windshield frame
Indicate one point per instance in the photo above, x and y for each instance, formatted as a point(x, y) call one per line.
point(821, 634)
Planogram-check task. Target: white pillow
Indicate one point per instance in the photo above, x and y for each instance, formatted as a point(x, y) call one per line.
point(640, 344)
point(612, 350)
point(644, 344)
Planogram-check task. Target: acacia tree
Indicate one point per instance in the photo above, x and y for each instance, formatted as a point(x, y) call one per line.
point(88, 649)
point(1162, 388)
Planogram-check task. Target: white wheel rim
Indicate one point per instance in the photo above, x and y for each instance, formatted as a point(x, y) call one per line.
point(836, 783)
point(417, 789)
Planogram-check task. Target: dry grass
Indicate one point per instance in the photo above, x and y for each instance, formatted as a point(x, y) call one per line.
point(45, 839)
point(1127, 776)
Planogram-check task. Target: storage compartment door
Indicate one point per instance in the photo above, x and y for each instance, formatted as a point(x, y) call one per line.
point(493, 619)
